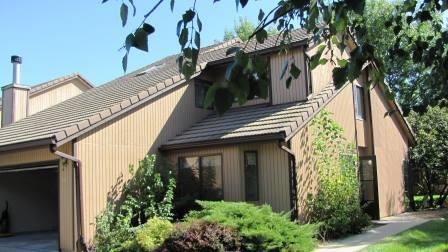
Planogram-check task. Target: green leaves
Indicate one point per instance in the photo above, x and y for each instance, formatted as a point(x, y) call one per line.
point(123, 14)
point(183, 37)
point(188, 16)
point(315, 59)
point(261, 36)
point(294, 71)
point(141, 37)
point(139, 40)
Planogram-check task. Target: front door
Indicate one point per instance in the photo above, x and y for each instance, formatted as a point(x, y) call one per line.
point(369, 186)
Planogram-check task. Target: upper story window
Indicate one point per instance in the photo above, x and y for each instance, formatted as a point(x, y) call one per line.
point(309, 83)
point(359, 103)
point(201, 87)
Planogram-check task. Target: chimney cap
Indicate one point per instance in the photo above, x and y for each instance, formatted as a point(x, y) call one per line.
point(16, 59)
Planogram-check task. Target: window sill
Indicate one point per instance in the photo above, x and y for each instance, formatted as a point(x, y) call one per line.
point(360, 119)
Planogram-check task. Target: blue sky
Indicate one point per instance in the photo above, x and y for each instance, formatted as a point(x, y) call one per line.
point(59, 37)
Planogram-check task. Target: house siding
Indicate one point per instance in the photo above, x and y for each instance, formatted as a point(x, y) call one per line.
point(60, 93)
point(391, 147)
point(297, 90)
point(322, 75)
point(342, 111)
point(273, 168)
point(107, 151)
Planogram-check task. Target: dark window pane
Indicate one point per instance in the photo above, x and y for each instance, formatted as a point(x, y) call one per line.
point(251, 175)
point(201, 88)
point(359, 102)
point(211, 177)
point(188, 183)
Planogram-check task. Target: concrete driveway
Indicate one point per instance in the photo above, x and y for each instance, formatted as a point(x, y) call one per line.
point(33, 242)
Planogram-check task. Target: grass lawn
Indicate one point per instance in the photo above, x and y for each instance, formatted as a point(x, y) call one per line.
point(430, 236)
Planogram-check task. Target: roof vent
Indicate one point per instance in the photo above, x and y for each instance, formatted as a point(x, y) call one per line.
point(150, 69)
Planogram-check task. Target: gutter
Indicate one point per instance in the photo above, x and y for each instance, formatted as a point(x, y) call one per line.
point(77, 168)
point(286, 146)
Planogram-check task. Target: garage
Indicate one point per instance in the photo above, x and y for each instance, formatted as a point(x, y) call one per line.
point(29, 194)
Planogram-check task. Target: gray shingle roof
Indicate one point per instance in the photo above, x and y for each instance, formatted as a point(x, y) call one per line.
point(73, 117)
point(279, 121)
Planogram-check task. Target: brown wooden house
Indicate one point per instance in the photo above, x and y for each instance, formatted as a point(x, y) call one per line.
point(258, 152)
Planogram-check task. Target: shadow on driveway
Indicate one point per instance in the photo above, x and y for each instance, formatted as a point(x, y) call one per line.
point(31, 242)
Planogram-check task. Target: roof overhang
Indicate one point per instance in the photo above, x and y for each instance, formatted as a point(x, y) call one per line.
point(225, 141)
point(26, 145)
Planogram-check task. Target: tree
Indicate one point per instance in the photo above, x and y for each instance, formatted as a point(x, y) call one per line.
point(412, 82)
point(429, 156)
point(329, 22)
point(244, 29)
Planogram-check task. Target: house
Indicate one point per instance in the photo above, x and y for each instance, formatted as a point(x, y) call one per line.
point(258, 152)
point(22, 101)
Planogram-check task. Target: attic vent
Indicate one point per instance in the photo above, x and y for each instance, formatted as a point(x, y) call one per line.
point(152, 68)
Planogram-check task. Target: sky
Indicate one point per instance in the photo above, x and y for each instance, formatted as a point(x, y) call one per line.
point(60, 37)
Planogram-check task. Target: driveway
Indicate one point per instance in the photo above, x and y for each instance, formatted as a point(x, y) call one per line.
point(33, 242)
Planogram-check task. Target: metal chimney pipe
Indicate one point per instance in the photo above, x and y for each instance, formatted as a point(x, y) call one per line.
point(16, 62)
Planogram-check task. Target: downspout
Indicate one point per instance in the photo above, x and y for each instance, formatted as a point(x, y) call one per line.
point(286, 146)
point(77, 168)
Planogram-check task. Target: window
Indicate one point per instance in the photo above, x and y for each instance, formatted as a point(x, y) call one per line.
point(200, 178)
point(251, 175)
point(211, 178)
point(201, 87)
point(359, 103)
point(309, 83)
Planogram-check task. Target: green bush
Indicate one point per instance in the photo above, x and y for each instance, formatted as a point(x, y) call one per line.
point(149, 236)
point(259, 227)
point(335, 205)
point(202, 236)
point(148, 194)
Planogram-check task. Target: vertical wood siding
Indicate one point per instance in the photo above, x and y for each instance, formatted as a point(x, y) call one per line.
point(322, 74)
point(297, 90)
point(14, 105)
point(391, 147)
point(7, 98)
point(55, 95)
point(107, 151)
point(21, 104)
point(341, 108)
point(273, 171)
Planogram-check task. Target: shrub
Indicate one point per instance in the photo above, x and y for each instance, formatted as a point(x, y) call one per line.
point(335, 205)
point(259, 227)
point(202, 236)
point(149, 236)
point(148, 194)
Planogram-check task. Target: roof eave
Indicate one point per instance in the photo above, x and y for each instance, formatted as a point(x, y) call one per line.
point(224, 141)
point(29, 144)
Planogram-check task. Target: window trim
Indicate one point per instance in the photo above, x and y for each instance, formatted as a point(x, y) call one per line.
point(363, 115)
point(201, 83)
point(200, 170)
point(258, 175)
